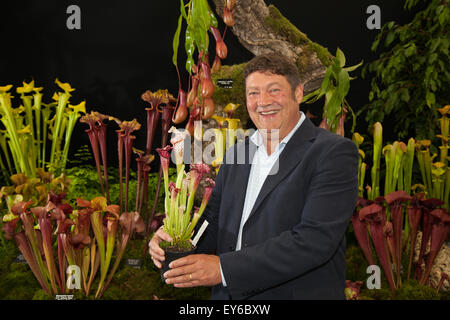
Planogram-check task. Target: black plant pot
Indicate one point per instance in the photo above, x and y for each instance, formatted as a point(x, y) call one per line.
point(172, 254)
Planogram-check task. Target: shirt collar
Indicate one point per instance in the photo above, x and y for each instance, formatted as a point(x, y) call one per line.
point(257, 138)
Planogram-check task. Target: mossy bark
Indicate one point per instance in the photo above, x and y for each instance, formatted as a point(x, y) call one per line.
point(263, 29)
point(235, 93)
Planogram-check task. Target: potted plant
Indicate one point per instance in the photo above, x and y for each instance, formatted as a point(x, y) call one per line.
point(181, 216)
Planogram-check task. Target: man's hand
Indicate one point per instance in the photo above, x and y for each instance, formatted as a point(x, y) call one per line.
point(155, 251)
point(194, 270)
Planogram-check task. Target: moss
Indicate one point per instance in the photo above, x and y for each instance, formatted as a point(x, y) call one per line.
point(356, 264)
point(18, 285)
point(408, 291)
point(282, 26)
point(41, 295)
point(413, 291)
point(322, 53)
point(17, 282)
point(145, 284)
point(180, 247)
point(445, 295)
point(236, 94)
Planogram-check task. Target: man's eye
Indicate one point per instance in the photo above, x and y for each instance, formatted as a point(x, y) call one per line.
point(274, 90)
point(252, 93)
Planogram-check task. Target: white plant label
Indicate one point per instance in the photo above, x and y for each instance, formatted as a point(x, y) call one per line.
point(200, 232)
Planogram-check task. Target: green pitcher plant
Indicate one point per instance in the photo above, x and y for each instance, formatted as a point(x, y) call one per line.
point(56, 235)
point(387, 222)
point(225, 137)
point(180, 215)
point(27, 129)
point(436, 174)
point(199, 21)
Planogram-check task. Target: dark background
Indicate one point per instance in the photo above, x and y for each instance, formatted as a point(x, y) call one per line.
point(125, 48)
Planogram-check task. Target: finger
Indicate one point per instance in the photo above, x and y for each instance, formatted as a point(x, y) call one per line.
point(191, 259)
point(189, 284)
point(156, 251)
point(157, 255)
point(177, 272)
point(163, 235)
point(182, 278)
point(157, 263)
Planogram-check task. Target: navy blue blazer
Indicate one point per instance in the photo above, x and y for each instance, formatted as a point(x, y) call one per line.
point(293, 243)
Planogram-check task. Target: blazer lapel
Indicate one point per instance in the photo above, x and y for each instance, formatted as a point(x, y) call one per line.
point(291, 155)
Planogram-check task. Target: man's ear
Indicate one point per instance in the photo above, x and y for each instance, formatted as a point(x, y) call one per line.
point(299, 93)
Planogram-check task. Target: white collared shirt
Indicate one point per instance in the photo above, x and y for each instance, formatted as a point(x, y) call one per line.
point(261, 167)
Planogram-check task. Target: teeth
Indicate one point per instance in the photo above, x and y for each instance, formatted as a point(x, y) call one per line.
point(268, 112)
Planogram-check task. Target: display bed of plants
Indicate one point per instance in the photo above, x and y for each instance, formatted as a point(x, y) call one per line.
point(130, 282)
point(356, 266)
point(17, 282)
point(75, 220)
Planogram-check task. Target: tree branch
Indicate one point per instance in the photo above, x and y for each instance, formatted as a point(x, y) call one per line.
point(263, 29)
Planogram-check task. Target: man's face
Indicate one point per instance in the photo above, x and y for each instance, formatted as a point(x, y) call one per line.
point(271, 102)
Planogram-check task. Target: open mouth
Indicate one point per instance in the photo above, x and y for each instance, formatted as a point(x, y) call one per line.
point(269, 112)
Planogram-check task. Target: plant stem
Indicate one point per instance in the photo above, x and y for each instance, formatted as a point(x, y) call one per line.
point(37, 114)
point(62, 101)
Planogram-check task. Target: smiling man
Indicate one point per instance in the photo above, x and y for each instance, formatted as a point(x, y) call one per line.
point(277, 222)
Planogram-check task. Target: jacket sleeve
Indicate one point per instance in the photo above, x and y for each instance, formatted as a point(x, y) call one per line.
point(330, 202)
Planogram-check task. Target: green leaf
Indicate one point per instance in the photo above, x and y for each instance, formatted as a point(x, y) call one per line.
point(353, 68)
point(190, 48)
point(434, 44)
point(411, 50)
point(443, 18)
point(375, 45)
point(201, 23)
point(189, 42)
point(317, 94)
point(404, 95)
point(439, 9)
point(389, 38)
point(183, 10)
point(176, 41)
point(202, 15)
point(212, 17)
point(311, 97)
point(326, 81)
point(341, 57)
point(431, 99)
point(344, 84)
point(332, 107)
point(432, 58)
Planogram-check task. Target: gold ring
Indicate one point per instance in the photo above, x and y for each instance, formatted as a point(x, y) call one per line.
point(190, 276)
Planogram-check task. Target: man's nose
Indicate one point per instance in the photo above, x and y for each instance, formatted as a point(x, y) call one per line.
point(264, 99)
